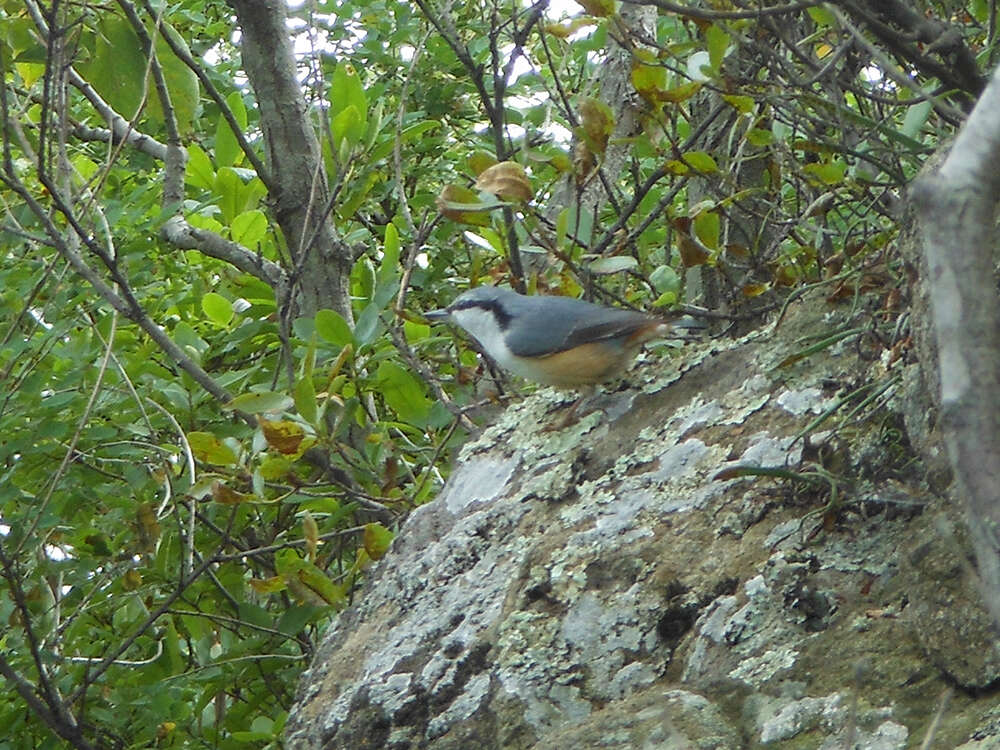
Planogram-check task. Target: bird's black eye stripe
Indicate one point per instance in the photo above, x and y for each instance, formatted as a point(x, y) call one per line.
point(499, 313)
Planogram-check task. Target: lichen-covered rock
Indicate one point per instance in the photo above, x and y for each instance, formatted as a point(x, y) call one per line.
point(625, 583)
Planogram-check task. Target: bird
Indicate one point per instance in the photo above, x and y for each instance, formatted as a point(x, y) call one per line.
point(556, 341)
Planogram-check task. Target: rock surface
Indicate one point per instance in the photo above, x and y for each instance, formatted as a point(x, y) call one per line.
point(624, 582)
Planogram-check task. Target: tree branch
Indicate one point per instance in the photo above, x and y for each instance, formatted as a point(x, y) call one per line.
point(958, 210)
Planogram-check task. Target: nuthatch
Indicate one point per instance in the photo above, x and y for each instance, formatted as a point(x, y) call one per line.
point(557, 341)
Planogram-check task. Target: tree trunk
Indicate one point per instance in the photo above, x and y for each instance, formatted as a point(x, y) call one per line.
point(959, 207)
point(299, 191)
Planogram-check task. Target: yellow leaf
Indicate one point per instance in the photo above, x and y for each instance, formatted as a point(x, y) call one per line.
point(376, 539)
point(754, 290)
point(599, 8)
point(480, 161)
point(506, 180)
point(596, 123)
point(209, 449)
point(463, 205)
point(226, 495)
point(132, 580)
point(680, 93)
point(310, 532)
point(165, 729)
point(284, 436)
point(149, 527)
point(268, 585)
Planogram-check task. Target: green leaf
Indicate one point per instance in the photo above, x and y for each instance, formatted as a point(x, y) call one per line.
point(263, 401)
point(376, 539)
point(597, 123)
point(579, 223)
point(356, 195)
point(199, 172)
point(706, 227)
point(294, 619)
point(384, 148)
point(347, 92)
point(717, 41)
point(332, 327)
point(665, 279)
point(480, 161)
point(681, 93)
point(614, 264)
point(363, 278)
point(415, 332)
point(182, 83)
point(208, 448)
point(389, 266)
point(916, 116)
point(742, 104)
point(599, 8)
point(348, 106)
point(821, 16)
point(275, 467)
point(666, 299)
point(299, 573)
point(366, 325)
point(403, 393)
point(188, 339)
point(347, 127)
point(263, 725)
point(701, 161)
point(649, 80)
point(249, 228)
point(227, 186)
point(117, 66)
point(227, 149)
point(831, 173)
point(218, 309)
point(305, 399)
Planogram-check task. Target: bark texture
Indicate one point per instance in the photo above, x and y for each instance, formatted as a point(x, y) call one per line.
point(958, 206)
point(299, 190)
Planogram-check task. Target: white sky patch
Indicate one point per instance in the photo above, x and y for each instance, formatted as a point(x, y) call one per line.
point(522, 65)
point(39, 316)
point(872, 74)
point(561, 135)
point(475, 239)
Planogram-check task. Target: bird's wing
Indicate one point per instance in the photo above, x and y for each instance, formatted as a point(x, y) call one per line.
point(624, 324)
point(569, 323)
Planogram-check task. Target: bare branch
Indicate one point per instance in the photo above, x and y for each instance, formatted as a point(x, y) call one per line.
point(721, 15)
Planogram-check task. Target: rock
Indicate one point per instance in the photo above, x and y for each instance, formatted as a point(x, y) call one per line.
point(605, 586)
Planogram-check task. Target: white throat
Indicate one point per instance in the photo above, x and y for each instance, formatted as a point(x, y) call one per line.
point(482, 326)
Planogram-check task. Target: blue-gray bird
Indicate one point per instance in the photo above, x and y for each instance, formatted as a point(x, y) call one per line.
point(557, 341)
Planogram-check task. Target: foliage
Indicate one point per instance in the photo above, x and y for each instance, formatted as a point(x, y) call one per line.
point(198, 462)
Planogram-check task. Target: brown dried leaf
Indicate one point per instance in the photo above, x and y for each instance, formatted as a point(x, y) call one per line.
point(506, 180)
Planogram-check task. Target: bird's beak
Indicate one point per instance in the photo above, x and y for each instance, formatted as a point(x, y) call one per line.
point(437, 315)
